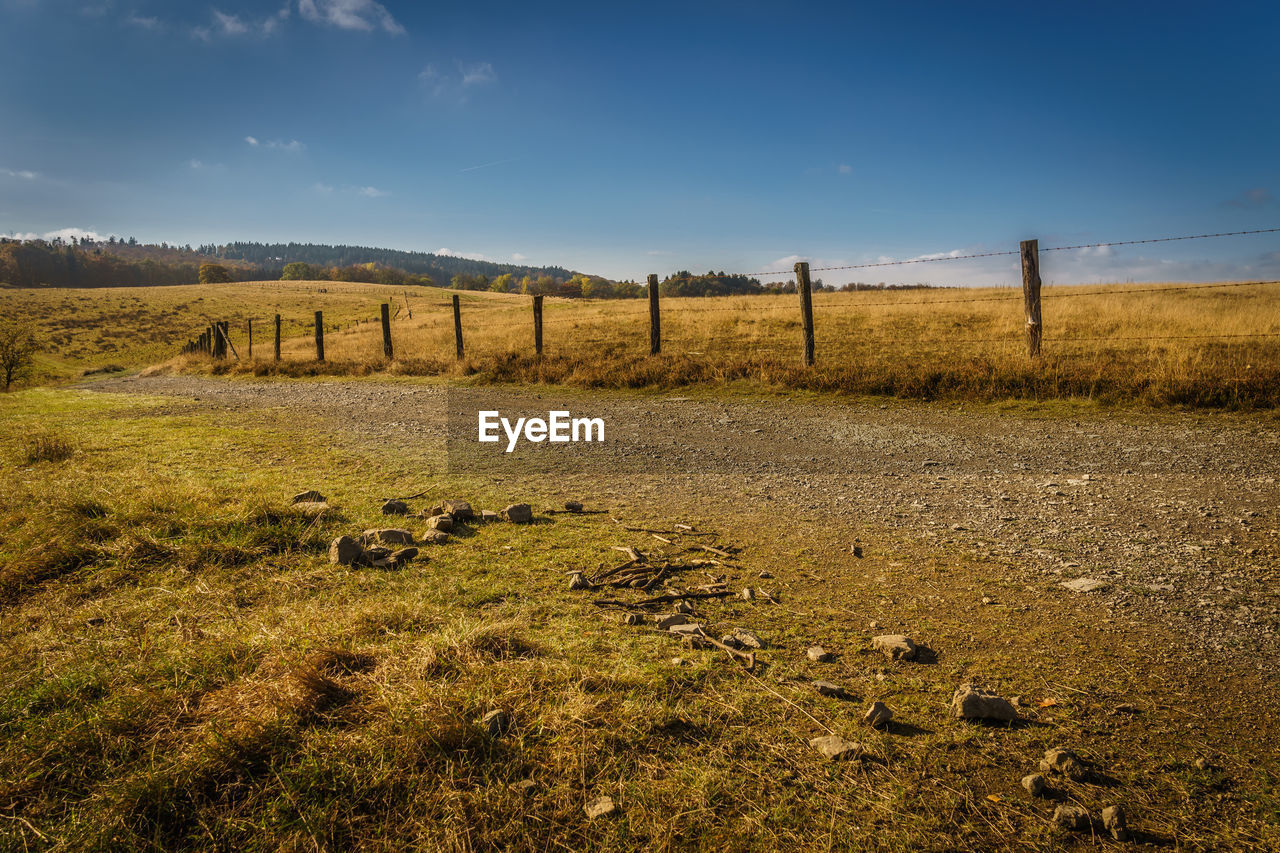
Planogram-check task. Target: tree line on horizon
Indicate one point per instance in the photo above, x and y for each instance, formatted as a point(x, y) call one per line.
point(82, 262)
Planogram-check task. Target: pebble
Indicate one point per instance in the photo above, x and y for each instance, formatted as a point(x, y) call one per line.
point(434, 537)
point(1034, 783)
point(974, 703)
point(1073, 818)
point(895, 646)
point(1084, 585)
point(573, 506)
point(1113, 819)
point(309, 496)
point(1066, 762)
point(835, 747)
point(395, 508)
point(461, 510)
point(441, 522)
point(600, 807)
point(578, 581)
point(496, 722)
point(387, 536)
point(518, 514)
point(747, 639)
point(826, 688)
point(878, 715)
point(345, 551)
point(818, 654)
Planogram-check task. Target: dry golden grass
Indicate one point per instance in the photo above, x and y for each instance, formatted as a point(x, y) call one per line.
point(1163, 344)
point(1210, 346)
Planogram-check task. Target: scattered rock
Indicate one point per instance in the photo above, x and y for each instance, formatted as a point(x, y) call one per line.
point(525, 787)
point(877, 715)
point(974, 703)
point(746, 639)
point(573, 506)
point(441, 522)
point(404, 555)
point(461, 510)
point(1066, 762)
point(684, 607)
point(1034, 783)
point(488, 515)
point(314, 509)
point(1114, 820)
point(387, 536)
point(345, 551)
point(394, 507)
point(94, 621)
point(818, 654)
point(826, 688)
point(1084, 585)
point(835, 747)
point(600, 807)
point(435, 510)
point(895, 646)
point(1072, 818)
point(309, 496)
point(1202, 763)
point(856, 550)
point(766, 575)
point(496, 722)
point(434, 537)
point(578, 581)
point(988, 600)
point(670, 620)
point(518, 514)
point(747, 594)
point(687, 629)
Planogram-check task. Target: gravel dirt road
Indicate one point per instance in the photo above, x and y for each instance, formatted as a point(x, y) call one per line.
point(1174, 512)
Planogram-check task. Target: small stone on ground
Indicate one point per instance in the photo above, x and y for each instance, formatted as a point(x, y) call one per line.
point(818, 654)
point(878, 715)
point(895, 646)
point(395, 508)
point(1034, 783)
point(974, 703)
point(1073, 818)
point(600, 807)
point(835, 747)
point(518, 514)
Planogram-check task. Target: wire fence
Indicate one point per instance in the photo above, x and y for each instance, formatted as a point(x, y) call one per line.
point(215, 339)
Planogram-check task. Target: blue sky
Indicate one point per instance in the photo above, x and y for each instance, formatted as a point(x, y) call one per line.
point(629, 139)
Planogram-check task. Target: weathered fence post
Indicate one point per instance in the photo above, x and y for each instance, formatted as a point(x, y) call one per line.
point(406, 304)
point(251, 339)
point(537, 324)
point(457, 324)
point(319, 336)
point(806, 309)
point(1030, 251)
point(219, 342)
point(655, 318)
point(277, 337)
point(386, 331)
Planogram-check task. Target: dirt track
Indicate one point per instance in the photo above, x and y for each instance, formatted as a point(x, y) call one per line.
point(1176, 512)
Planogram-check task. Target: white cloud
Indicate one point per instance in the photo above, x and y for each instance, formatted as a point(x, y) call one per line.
point(846, 169)
point(292, 146)
point(372, 192)
point(478, 74)
point(517, 257)
point(195, 164)
point(471, 256)
point(270, 24)
point(144, 22)
point(24, 174)
point(458, 83)
point(229, 25)
point(363, 15)
point(322, 188)
point(63, 233)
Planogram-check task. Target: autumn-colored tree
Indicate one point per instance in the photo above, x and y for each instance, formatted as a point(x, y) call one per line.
point(214, 274)
point(18, 346)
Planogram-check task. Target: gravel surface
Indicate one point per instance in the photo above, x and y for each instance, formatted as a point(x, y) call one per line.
point(1174, 512)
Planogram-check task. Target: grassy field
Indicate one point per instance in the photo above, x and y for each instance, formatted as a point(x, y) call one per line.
point(185, 669)
point(1210, 346)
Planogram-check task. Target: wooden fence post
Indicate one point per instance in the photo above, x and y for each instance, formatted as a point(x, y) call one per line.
point(251, 339)
point(319, 336)
point(806, 309)
point(406, 304)
point(386, 331)
point(1030, 251)
point(457, 324)
point(537, 324)
point(655, 318)
point(277, 337)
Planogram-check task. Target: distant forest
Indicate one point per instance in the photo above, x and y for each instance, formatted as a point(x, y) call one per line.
point(122, 263)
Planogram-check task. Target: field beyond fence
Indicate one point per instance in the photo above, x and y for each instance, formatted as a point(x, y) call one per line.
point(1198, 345)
